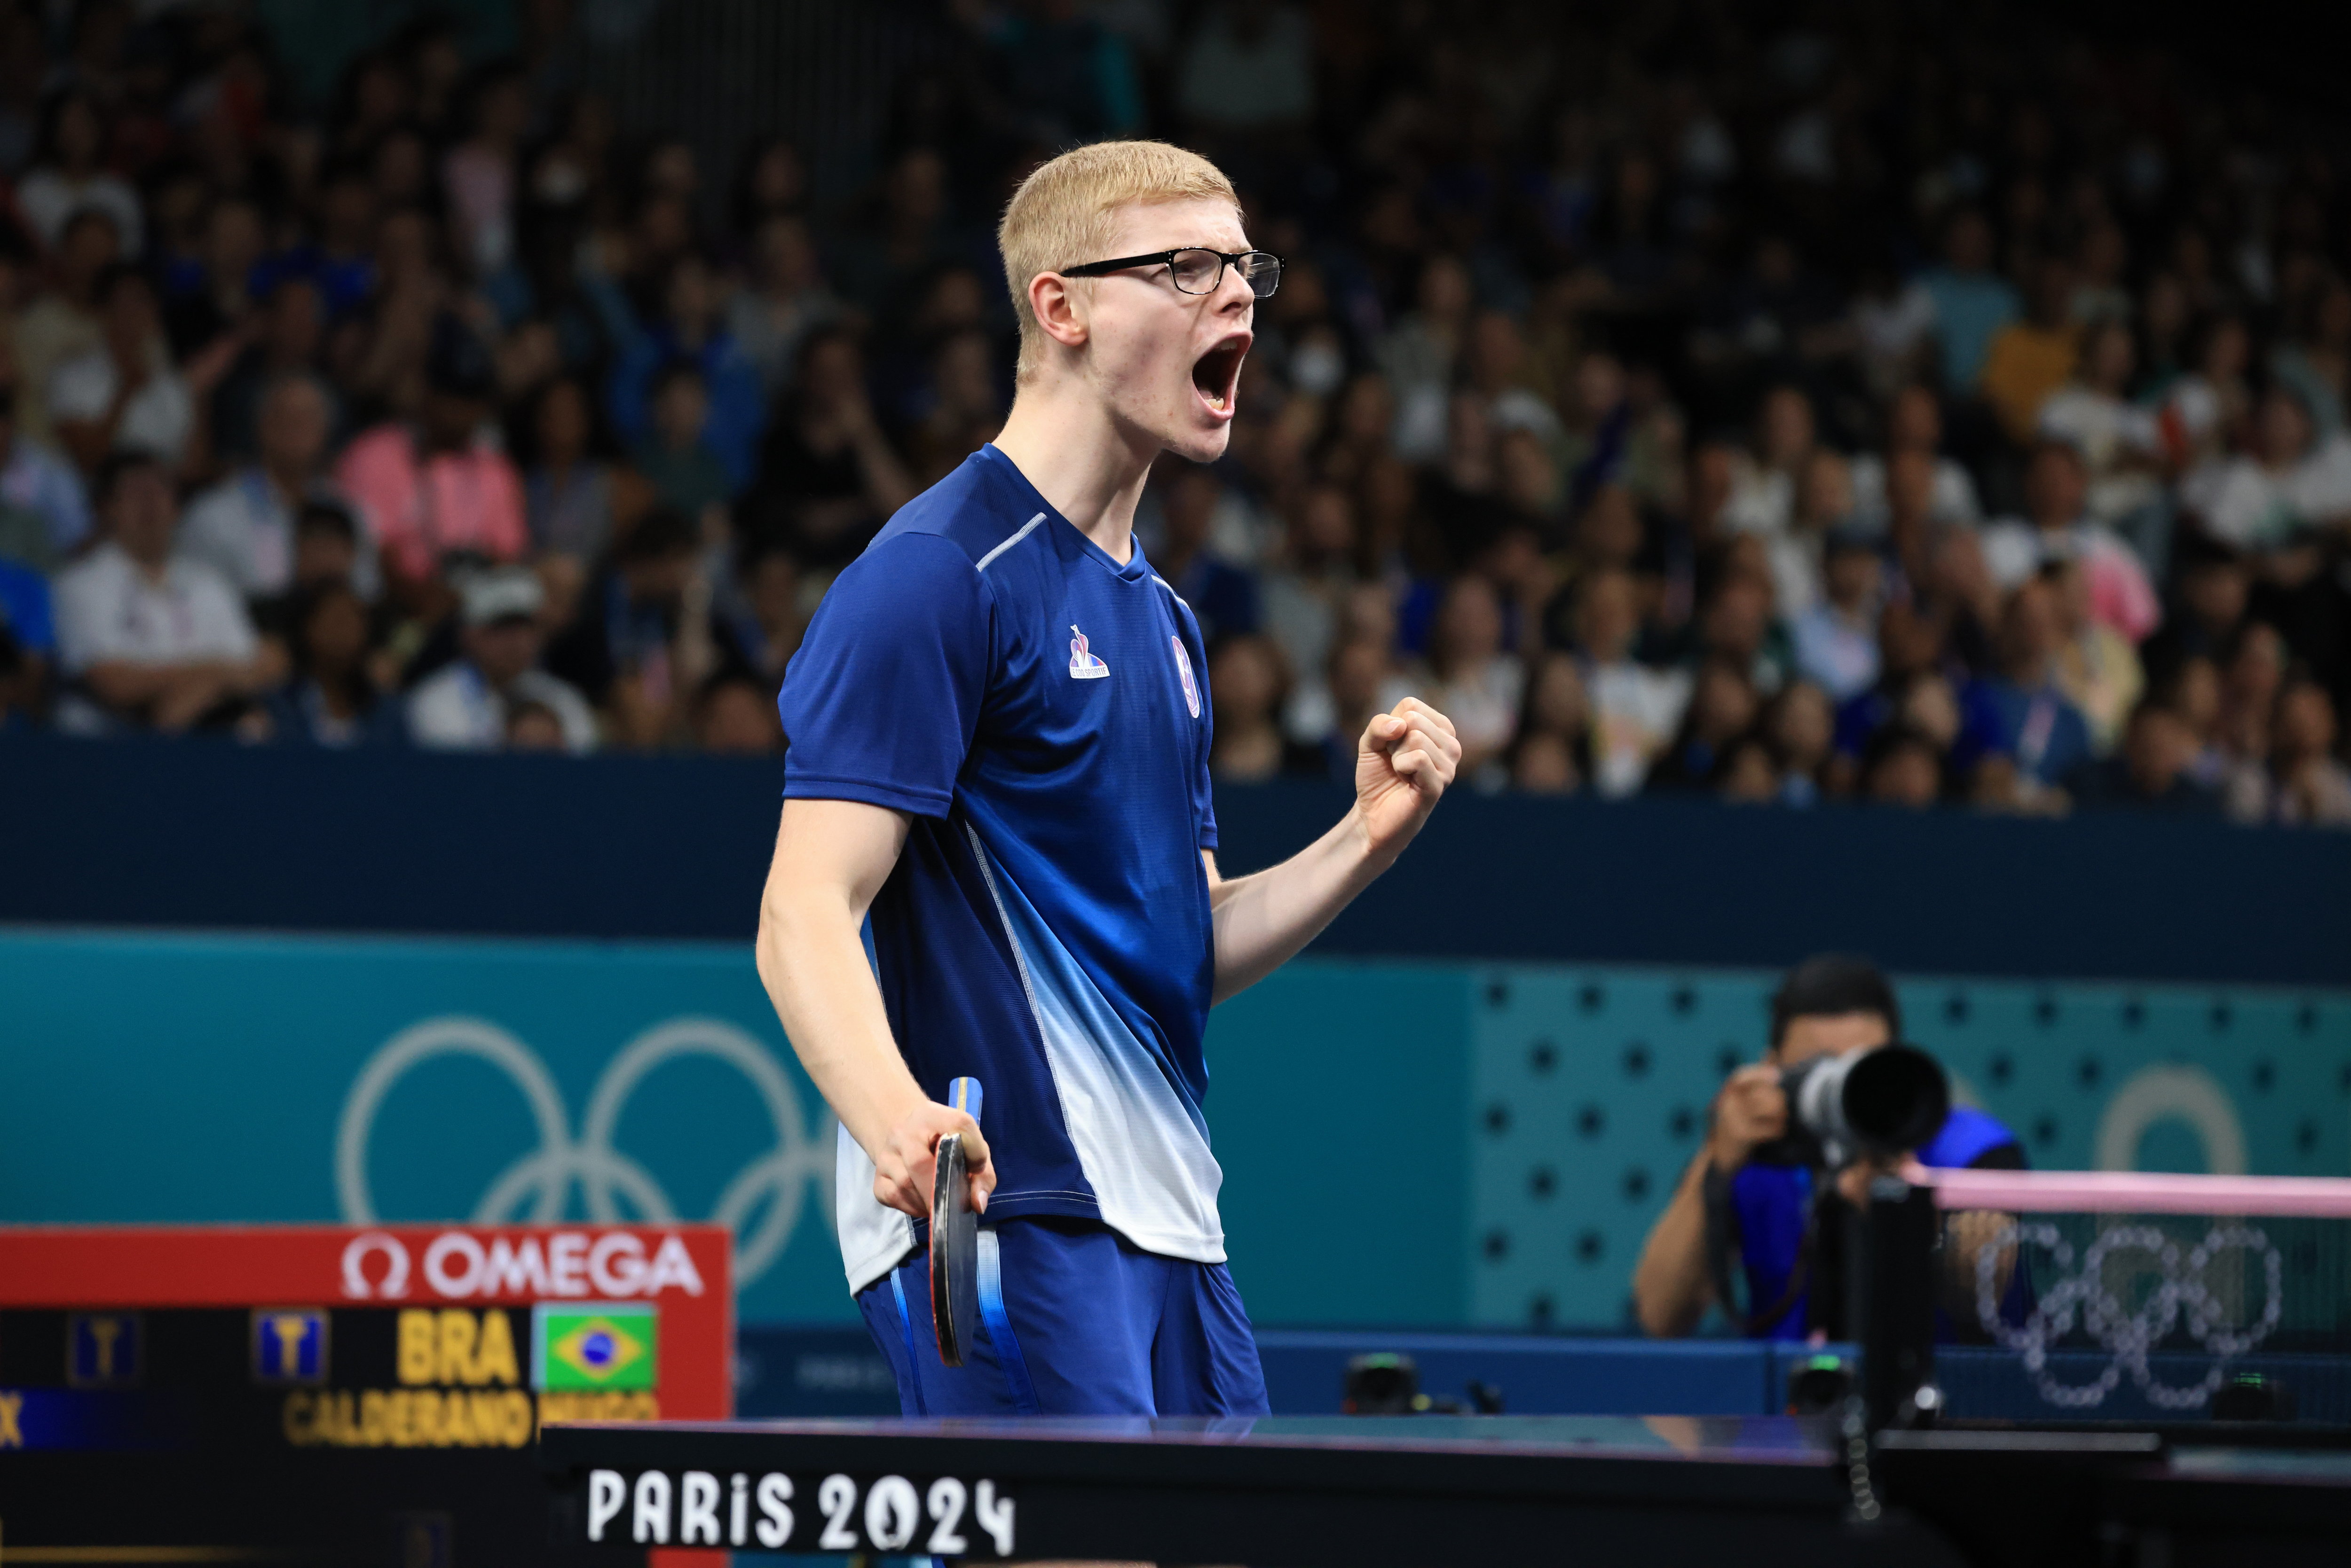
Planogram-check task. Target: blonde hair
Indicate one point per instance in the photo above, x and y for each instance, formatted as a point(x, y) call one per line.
point(1065, 214)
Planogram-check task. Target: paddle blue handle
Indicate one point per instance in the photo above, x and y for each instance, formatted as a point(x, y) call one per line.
point(963, 1095)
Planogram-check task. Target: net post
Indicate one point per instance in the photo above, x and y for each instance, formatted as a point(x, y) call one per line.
point(1896, 1304)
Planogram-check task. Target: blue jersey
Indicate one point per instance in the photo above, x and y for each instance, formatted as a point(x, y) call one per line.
point(1040, 710)
point(1772, 1206)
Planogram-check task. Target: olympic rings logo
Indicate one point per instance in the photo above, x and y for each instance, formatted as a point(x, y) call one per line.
point(543, 1178)
point(2130, 1337)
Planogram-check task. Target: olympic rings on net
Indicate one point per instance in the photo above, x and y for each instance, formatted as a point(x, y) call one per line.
point(2128, 1337)
point(606, 1176)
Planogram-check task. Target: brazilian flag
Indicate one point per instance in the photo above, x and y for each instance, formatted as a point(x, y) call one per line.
point(609, 1345)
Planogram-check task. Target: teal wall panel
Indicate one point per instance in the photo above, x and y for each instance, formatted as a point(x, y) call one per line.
point(1336, 1101)
point(1589, 1090)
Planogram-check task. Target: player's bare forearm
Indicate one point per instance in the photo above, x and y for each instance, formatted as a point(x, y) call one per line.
point(1670, 1288)
point(1262, 920)
point(1404, 762)
point(832, 858)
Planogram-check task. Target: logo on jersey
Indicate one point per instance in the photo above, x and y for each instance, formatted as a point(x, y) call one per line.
point(1084, 666)
point(1184, 669)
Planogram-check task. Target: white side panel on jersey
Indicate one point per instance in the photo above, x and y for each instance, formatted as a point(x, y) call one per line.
point(1143, 1151)
point(875, 1238)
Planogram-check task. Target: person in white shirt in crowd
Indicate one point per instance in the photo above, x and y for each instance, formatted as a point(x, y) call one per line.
point(1467, 676)
point(467, 705)
point(70, 175)
point(1636, 708)
point(1419, 355)
point(1836, 640)
point(243, 527)
point(124, 394)
point(1914, 422)
point(2290, 482)
point(2055, 528)
point(1823, 505)
point(2121, 444)
point(2208, 411)
point(145, 637)
point(35, 481)
point(1763, 482)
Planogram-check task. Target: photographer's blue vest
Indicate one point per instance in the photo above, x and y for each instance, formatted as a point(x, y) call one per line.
point(1772, 1204)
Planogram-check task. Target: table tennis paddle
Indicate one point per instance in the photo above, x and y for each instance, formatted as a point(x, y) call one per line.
point(954, 1238)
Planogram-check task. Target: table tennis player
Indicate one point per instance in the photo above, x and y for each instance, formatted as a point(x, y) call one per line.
point(1000, 732)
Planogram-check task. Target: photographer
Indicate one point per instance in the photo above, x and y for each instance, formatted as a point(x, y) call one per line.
point(1826, 1007)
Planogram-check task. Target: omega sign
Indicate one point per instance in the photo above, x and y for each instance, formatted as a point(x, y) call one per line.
point(457, 1265)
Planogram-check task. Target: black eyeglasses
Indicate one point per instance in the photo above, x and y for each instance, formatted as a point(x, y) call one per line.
point(1196, 270)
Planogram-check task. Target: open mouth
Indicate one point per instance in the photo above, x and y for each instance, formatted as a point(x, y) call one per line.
point(1216, 373)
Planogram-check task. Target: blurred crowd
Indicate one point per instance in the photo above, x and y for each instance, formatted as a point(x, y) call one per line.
point(1774, 402)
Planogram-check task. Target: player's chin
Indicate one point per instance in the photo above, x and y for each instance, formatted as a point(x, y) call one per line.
point(1201, 444)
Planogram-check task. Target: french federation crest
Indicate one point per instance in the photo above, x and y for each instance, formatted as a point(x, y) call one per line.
point(1183, 673)
point(1084, 664)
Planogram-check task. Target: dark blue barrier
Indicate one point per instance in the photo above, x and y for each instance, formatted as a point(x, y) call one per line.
point(210, 835)
point(788, 1370)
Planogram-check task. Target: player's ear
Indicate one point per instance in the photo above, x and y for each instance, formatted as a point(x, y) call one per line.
point(1060, 306)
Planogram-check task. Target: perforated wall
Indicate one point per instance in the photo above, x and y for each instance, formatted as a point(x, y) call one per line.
point(1589, 1092)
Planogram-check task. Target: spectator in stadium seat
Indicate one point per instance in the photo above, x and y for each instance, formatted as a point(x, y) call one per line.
point(28, 628)
point(691, 329)
point(1835, 641)
point(674, 455)
point(1636, 708)
point(2021, 714)
point(1552, 752)
point(2055, 528)
point(467, 705)
point(441, 486)
point(642, 643)
point(1904, 767)
point(827, 475)
point(1222, 595)
point(1467, 675)
point(1761, 1215)
point(63, 323)
point(124, 394)
point(1723, 706)
point(1764, 480)
point(1245, 686)
point(2211, 588)
point(2304, 782)
point(2097, 667)
point(785, 299)
point(2154, 770)
point(243, 527)
point(1972, 302)
point(332, 700)
point(571, 496)
point(288, 339)
point(2290, 482)
point(70, 175)
point(2032, 358)
point(735, 716)
point(1800, 722)
point(144, 637)
point(2121, 442)
point(1913, 424)
point(43, 512)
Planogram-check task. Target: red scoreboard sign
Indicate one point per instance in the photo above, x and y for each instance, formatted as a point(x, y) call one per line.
point(261, 1358)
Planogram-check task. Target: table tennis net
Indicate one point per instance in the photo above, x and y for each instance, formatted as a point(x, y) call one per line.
point(2107, 1296)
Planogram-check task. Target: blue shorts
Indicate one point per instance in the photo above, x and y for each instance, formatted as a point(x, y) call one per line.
point(1075, 1319)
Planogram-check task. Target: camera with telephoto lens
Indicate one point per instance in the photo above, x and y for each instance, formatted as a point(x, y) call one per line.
point(1883, 1101)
